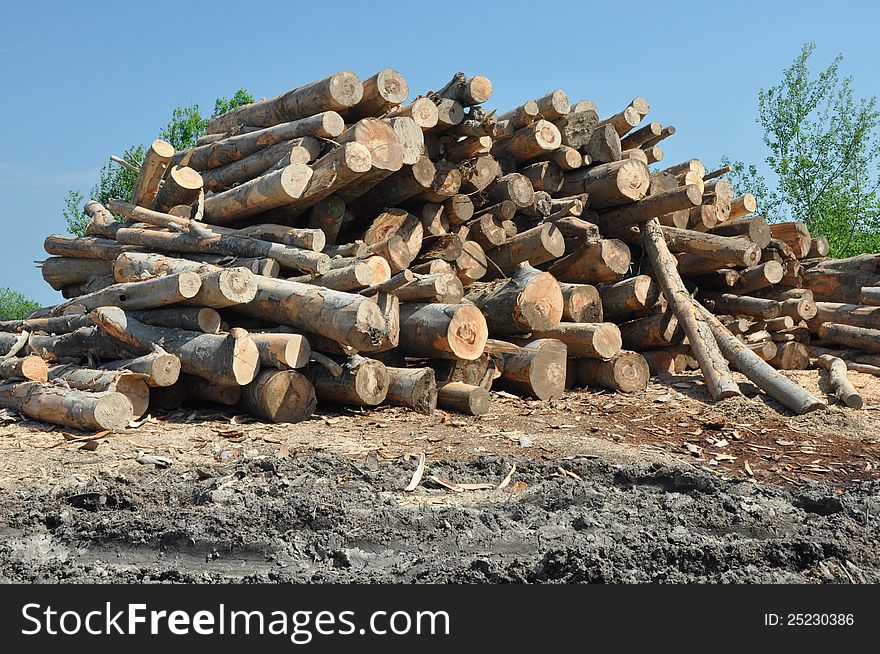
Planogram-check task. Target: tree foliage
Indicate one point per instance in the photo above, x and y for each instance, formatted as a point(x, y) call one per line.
point(14, 305)
point(186, 126)
point(824, 151)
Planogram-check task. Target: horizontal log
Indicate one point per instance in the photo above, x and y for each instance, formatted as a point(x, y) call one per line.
point(586, 339)
point(66, 406)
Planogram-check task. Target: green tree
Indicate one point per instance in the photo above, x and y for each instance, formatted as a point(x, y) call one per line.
point(184, 129)
point(824, 152)
point(14, 305)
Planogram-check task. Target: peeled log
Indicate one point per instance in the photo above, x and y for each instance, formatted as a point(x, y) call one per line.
point(29, 367)
point(537, 245)
point(282, 350)
point(66, 406)
point(148, 294)
point(536, 369)
point(442, 331)
point(362, 382)
point(280, 396)
point(626, 372)
point(336, 92)
point(414, 388)
point(610, 184)
point(228, 359)
point(530, 300)
point(464, 398)
point(589, 339)
point(59, 272)
point(606, 260)
point(152, 170)
point(841, 386)
point(86, 247)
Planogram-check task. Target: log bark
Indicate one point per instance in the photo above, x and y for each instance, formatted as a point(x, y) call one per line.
point(622, 299)
point(336, 92)
point(870, 295)
point(147, 294)
point(299, 259)
point(544, 176)
point(60, 272)
point(414, 388)
point(85, 247)
point(273, 157)
point(513, 187)
point(131, 385)
point(442, 331)
point(29, 367)
point(530, 300)
point(861, 338)
point(280, 396)
point(610, 184)
point(181, 187)
point(755, 228)
point(159, 368)
point(585, 339)
point(626, 372)
point(577, 127)
point(282, 351)
point(478, 173)
point(464, 398)
point(721, 249)
point(362, 382)
point(202, 389)
point(604, 146)
point(537, 369)
point(606, 260)
point(226, 359)
point(652, 206)
point(260, 194)
point(841, 386)
point(743, 305)
point(152, 170)
point(194, 319)
point(581, 303)
point(759, 372)
point(67, 407)
point(537, 245)
point(659, 330)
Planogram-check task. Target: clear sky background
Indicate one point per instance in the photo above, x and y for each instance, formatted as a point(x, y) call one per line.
point(84, 80)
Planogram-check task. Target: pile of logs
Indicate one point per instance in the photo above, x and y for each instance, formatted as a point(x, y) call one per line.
point(344, 244)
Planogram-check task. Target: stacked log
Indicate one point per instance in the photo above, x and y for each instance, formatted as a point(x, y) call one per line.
point(341, 244)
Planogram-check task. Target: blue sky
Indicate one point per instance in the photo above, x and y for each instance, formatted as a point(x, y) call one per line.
point(85, 80)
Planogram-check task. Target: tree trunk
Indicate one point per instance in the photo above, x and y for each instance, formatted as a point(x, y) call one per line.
point(603, 146)
point(160, 368)
point(606, 260)
point(610, 184)
point(742, 305)
point(202, 389)
point(660, 330)
point(840, 384)
point(536, 369)
point(759, 372)
point(720, 249)
point(194, 319)
point(148, 294)
point(423, 112)
point(626, 372)
point(29, 367)
point(819, 248)
point(60, 272)
point(795, 234)
point(336, 92)
point(414, 388)
point(85, 247)
point(381, 92)
point(467, 91)
point(443, 288)
point(790, 356)
point(181, 186)
point(544, 176)
point(530, 300)
point(530, 142)
point(349, 319)
point(282, 350)
point(682, 197)
point(577, 127)
point(472, 265)
point(363, 382)
point(67, 407)
point(861, 338)
point(313, 262)
point(226, 359)
point(754, 228)
point(537, 245)
point(257, 195)
point(442, 331)
point(280, 396)
point(585, 339)
point(152, 170)
point(327, 215)
point(131, 385)
point(581, 303)
point(478, 173)
point(464, 398)
point(622, 299)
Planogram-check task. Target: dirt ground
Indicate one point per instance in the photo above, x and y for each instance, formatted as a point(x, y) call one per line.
point(661, 486)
